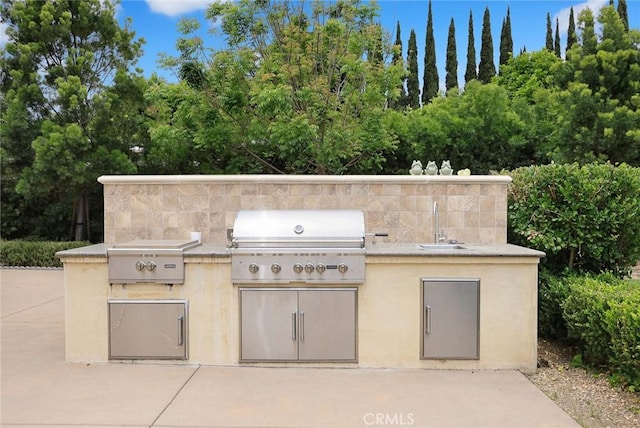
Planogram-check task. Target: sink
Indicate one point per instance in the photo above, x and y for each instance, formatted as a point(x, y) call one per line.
point(441, 247)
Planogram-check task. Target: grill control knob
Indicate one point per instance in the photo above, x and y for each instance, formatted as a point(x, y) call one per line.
point(151, 266)
point(140, 266)
point(342, 268)
point(321, 268)
point(276, 268)
point(297, 268)
point(309, 268)
point(253, 268)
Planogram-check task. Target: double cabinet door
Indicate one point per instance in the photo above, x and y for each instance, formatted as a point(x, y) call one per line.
point(298, 324)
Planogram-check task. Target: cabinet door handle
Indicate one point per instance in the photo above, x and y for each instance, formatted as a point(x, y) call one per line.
point(427, 319)
point(181, 330)
point(293, 326)
point(301, 325)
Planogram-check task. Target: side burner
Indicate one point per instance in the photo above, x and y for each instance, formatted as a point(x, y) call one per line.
point(148, 261)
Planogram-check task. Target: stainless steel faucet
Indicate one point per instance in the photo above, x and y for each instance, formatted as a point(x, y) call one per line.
point(436, 228)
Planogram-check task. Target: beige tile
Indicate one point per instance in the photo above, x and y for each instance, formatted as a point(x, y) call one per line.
point(471, 219)
point(217, 203)
point(408, 203)
point(391, 219)
point(487, 219)
point(375, 190)
point(122, 234)
point(487, 203)
point(391, 189)
point(408, 219)
point(455, 219)
point(217, 189)
point(464, 203)
point(455, 189)
point(374, 219)
point(357, 189)
point(408, 189)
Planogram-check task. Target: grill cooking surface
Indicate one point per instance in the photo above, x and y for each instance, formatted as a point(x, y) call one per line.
point(309, 246)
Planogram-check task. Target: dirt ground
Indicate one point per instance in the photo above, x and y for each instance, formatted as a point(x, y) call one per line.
point(585, 395)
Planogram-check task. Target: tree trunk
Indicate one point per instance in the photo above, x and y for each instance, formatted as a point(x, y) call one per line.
point(80, 221)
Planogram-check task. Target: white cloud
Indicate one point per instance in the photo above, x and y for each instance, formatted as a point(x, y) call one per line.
point(177, 7)
point(563, 15)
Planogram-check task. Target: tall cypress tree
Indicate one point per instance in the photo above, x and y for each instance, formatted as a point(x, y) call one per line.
point(413, 85)
point(506, 40)
point(451, 79)
point(572, 37)
point(549, 38)
point(401, 102)
point(556, 43)
point(430, 81)
point(486, 68)
point(471, 73)
point(623, 13)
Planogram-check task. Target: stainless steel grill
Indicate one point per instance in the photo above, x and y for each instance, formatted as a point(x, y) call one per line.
point(308, 246)
point(148, 261)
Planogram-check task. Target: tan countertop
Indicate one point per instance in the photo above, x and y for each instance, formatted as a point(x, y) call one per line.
point(379, 249)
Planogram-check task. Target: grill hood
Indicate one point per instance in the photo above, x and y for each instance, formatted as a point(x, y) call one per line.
point(299, 229)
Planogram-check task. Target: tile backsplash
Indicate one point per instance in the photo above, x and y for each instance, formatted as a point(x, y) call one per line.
point(473, 209)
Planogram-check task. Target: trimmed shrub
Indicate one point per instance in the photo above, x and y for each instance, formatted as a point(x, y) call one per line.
point(34, 253)
point(552, 292)
point(585, 218)
point(603, 314)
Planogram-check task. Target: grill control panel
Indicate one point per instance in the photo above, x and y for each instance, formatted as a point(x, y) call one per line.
point(347, 267)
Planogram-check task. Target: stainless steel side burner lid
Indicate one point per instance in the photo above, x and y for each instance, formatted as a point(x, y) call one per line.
point(148, 261)
point(309, 246)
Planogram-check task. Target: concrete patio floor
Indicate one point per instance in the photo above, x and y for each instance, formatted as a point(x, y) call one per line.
point(40, 389)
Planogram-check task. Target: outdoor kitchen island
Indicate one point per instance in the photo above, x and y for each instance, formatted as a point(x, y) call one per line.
point(463, 306)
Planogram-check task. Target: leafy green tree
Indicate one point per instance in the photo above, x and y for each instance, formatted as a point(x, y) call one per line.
point(572, 37)
point(401, 102)
point(451, 79)
point(599, 92)
point(413, 85)
point(623, 12)
point(506, 40)
point(486, 68)
point(60, 59)
point(549, 37)
point(471, 73)
point(527, 72)
point(556, 42)
point(431, 81)
point(304, 98)
point(476, 129)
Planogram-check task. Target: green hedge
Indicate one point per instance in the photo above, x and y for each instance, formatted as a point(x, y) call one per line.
point(34, 253)
point(603, 314)
point(585, 218)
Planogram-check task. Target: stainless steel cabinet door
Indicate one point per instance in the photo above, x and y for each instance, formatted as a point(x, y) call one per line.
point(147, 329)
point(450, 319)
point(327, 320)
point(269, 325)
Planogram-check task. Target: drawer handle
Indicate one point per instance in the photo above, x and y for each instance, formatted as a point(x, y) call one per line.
point(181, 330)
point(427, 321)
point(293, 326)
